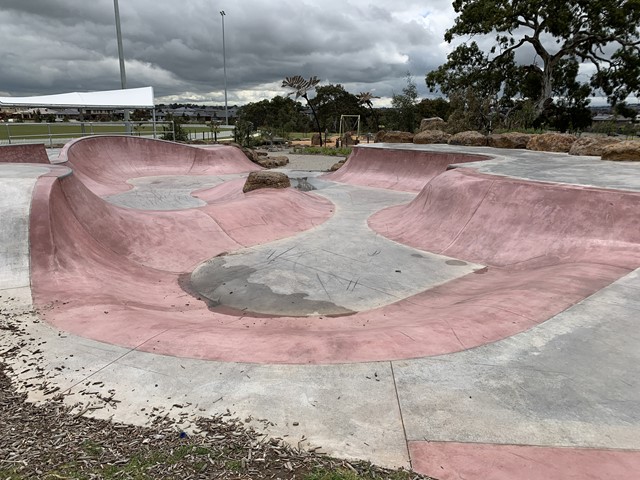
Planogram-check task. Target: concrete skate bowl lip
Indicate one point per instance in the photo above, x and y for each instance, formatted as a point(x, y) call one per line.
point(85, 282)
point(106, 163)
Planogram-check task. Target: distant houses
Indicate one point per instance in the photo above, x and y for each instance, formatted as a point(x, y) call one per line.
point(47, 114)
point(195, 114)
point(190, 114)
point(611, 118)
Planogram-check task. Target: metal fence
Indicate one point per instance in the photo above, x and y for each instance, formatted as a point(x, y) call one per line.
point(59, 133)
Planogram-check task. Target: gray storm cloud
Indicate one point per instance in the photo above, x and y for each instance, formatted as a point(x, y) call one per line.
point(66, 45)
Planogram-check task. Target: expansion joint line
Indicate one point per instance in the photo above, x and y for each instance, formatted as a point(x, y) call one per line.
point(404, 429)
point(115, 360)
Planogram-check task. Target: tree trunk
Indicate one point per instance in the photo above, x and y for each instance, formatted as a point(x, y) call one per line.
point(315, 116)
point(547, 86)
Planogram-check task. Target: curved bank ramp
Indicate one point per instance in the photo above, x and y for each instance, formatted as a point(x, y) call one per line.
point(488, 321)
point(468, 248)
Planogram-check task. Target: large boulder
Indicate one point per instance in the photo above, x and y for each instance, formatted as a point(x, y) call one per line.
point(551, 142)
point(433, 123)
point(508, 140)
point(431, 136)
point(469, 138)
point(591, 145)
point(273, 162)
point(337, 165)
point(394, 137)
point(263, 179)
point(626, 151)
point(347, 140)
point(250, 153)
point(316, 140)
point(377, 138)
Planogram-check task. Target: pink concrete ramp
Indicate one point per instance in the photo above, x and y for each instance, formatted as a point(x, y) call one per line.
point(72, 217)
point(105, 163)
point(455, 461)
point(90, 258)
point(113, 274)
point(518, 224)
point(29, 153)
point(173, 241)
point(404, 170)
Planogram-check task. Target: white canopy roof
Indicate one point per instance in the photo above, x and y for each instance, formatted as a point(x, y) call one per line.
point(126, 98)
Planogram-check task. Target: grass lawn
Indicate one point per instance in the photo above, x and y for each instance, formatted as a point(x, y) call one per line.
point(39, 131)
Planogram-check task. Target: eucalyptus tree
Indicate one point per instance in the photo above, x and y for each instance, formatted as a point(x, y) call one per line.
point(405, 112)
point(333, 101)
point(604, 33)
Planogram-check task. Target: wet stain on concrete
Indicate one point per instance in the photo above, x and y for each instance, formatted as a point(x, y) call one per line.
point(222, 286)
point(457, 263)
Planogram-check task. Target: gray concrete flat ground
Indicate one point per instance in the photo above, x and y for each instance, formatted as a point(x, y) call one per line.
point(339, 267)
point(313, 163)
point(573, 380)
point(167, 192)
point(544, 166)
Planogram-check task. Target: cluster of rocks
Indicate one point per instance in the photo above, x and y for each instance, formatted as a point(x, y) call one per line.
point(263, 159)
point(433, 130)
point(273, 162)
point(263, 179)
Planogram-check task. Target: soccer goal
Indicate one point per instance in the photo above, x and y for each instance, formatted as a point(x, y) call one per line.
point(349, 124)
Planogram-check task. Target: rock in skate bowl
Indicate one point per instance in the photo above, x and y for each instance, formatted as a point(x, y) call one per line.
point(500, 255)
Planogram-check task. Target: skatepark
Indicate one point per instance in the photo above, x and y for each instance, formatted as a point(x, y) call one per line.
point(467, 312)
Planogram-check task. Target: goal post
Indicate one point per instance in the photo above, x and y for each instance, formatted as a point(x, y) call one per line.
point(349, 123)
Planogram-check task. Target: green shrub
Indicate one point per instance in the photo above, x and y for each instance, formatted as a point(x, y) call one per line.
point(341, 152)
point(177, 134)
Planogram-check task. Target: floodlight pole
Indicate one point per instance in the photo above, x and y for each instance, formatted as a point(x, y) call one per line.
point(123, 75)
point(224, 67)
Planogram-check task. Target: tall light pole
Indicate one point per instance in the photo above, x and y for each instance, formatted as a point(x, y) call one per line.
point(224, 67)
point(123, 75)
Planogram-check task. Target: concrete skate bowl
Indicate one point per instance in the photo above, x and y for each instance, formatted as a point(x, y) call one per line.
point(105, 164)
point(113, 274)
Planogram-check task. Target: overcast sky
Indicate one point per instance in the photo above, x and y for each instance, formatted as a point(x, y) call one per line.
point(57, 46)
